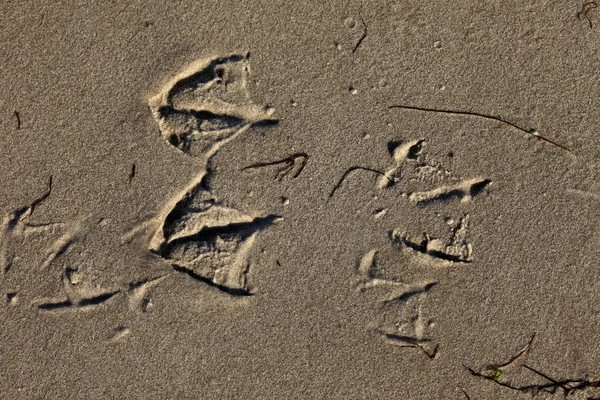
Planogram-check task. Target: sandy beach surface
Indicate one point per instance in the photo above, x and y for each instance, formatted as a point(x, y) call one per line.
point(325, 200)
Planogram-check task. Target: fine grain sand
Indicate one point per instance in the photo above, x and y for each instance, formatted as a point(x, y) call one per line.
point(336, 200)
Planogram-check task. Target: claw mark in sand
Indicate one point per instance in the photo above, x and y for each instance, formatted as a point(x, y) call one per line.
point(409, 341)
point(288, 165)
point(531, 132)
point(392, 337)
point(403, 342)
point(11, 298)
point(379, 213)
point(406, 296)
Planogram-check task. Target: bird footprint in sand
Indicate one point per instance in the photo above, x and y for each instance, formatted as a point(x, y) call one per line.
point(200, 110)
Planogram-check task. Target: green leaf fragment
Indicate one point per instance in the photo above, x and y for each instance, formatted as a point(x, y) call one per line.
point(497, 375)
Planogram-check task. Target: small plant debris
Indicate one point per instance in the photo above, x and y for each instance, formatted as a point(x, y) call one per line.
point(352, 169)
point(288, 165)
point(18, 117)
point(132, 173)
point(515, 357)
point(431, 355)
point(29, 210)
point(531, 132)
point(586, 8)
point(568, 386)
point(362, 36)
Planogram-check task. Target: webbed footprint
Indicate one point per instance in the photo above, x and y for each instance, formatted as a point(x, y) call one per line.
point(210, 241)
point(207, 105)
point(199, 111)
